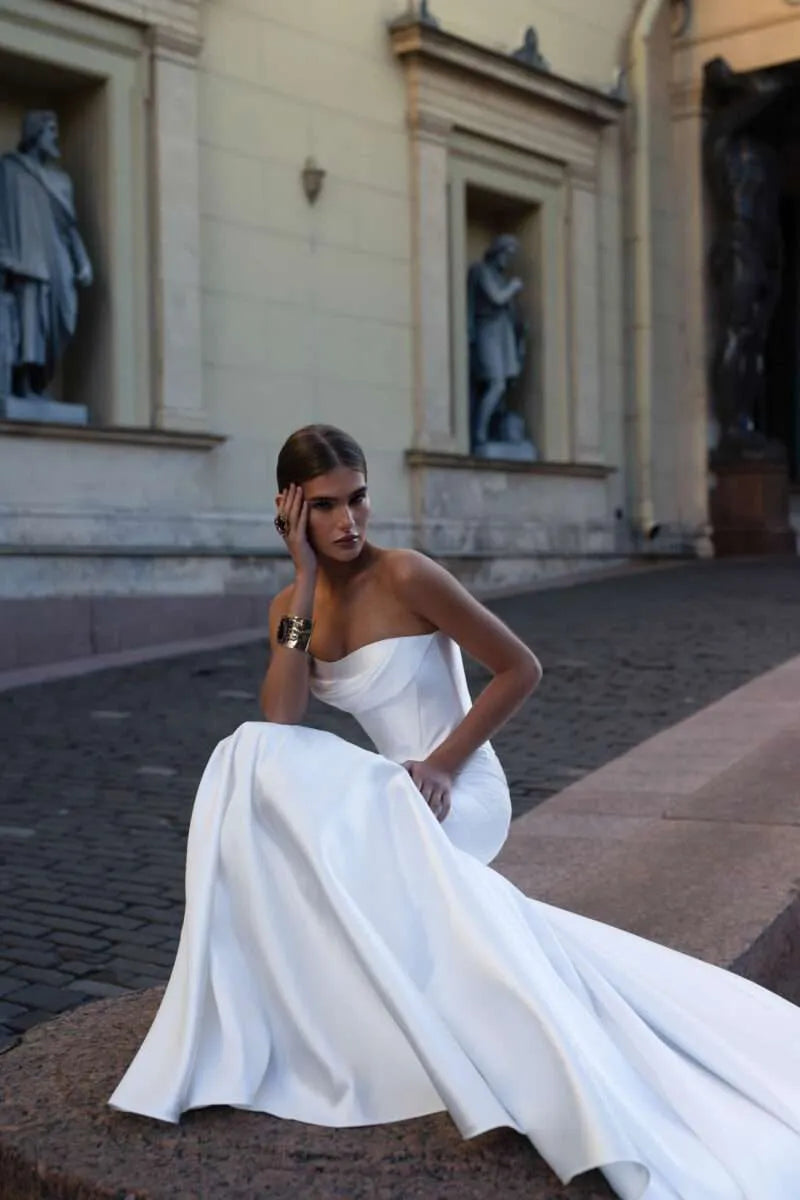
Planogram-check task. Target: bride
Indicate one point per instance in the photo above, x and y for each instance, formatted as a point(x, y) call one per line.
point(347, 957)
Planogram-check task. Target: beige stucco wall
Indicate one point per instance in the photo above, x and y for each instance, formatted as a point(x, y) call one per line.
point(305, 312)
point(748, 35)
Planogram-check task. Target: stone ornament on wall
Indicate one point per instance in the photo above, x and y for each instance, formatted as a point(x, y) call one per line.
point(497, 341)
point(43, 262)
point(529, 52)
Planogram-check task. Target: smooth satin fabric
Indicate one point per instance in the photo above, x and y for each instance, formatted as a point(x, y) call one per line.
point(347, 960)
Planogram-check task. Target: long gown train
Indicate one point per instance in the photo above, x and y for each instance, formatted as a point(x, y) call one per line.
point(347, 960)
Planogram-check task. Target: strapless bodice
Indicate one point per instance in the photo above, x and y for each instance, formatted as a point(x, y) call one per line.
point(407, 693)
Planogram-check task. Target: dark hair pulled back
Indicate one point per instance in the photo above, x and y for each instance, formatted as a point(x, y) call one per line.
point(315, 449)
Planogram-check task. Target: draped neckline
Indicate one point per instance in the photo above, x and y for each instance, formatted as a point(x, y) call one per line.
point(329, 663)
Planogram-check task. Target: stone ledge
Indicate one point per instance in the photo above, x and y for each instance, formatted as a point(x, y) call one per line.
point(412, 37)
point(691, 839)
point(58, 1139)
point(176, 439)
point(460, 462)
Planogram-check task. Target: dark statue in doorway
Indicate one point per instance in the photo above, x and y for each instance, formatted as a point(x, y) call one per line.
point(745, 261)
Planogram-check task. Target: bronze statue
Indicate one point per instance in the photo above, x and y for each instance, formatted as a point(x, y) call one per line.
point(745, 260)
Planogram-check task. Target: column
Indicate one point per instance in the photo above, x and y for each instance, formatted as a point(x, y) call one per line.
point(586, 375)
point(178, 374)
point(434, 424)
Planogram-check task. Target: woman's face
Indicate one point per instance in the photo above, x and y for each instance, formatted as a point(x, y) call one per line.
point(338, 512)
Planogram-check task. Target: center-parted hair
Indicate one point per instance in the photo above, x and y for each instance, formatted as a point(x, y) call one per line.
point(315, 449)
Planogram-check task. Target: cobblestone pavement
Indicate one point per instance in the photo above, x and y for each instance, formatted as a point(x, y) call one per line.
point(98, 772)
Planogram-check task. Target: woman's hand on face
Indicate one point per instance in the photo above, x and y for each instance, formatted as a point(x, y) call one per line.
point(292, 506)
point(434, 784)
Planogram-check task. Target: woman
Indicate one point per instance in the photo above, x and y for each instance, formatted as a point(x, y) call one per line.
point(347, 957)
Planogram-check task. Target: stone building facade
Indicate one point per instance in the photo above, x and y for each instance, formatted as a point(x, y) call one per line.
point(228, 308)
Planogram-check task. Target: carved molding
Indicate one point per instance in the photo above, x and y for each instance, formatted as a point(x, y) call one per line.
point(175, 24)
point(174, 44)
point(428, 459)
point(483, 119)
point(429, 125)
point(686, 98)
point(416, 42)
point(176, 439)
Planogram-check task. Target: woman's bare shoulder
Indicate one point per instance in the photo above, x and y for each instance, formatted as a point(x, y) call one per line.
point(404, 566)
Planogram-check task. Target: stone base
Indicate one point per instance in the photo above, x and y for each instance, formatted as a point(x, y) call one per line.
point(43, 410)
point(510, 451)
point(750, 508)
point(39, 630)
point(59, 1139)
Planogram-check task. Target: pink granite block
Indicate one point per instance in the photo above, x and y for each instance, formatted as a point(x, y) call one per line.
point(763, 788)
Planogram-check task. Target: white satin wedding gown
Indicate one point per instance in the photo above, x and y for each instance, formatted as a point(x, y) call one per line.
point(347, 960)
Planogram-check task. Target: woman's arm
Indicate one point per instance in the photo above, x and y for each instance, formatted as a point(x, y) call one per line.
point(284, 691)
point(431, 592)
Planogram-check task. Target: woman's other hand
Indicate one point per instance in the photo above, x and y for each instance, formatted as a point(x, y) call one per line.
point(435, 786)
point(293, 508)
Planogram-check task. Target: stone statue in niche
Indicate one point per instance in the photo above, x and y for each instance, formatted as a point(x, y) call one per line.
point(746, 254)
point(43, 262)
point(496, 336)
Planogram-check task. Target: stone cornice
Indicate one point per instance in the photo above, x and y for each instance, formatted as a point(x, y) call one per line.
point(431, 459)
point(174, 439)
point(413, 40)
point(174, 25)
point(175, 44)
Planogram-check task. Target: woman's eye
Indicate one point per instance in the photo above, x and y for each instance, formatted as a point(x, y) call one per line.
point(322, 504)
point(360, 498)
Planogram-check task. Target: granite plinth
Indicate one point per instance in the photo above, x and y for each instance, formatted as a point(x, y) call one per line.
point(749, 507)
point(58, 1138)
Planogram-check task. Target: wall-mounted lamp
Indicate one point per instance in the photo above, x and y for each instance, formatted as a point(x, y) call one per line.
point(312, 176)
